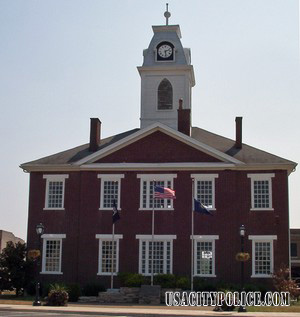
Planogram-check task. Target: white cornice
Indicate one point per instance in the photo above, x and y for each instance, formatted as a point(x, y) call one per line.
point(151, 129)
point(155, 167)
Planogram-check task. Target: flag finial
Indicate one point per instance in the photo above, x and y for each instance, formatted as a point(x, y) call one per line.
point(167, 14)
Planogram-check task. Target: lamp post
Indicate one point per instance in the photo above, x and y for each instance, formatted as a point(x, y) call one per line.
point(39, 231)
point(242, 235)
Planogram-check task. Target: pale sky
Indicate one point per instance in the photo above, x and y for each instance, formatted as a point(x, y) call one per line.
point(65, 61)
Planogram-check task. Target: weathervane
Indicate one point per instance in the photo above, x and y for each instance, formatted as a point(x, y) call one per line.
point(167, 14)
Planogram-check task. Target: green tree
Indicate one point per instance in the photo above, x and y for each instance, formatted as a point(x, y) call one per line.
point(15, 271)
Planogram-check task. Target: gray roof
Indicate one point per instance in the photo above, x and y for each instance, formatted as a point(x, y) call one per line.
point(247, 154)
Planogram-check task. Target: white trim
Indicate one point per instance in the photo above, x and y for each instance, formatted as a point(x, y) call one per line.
point(274, 237)
point(261, 177)
point(52, 237)
point(156, 237)
point(54, 178)
point(113, 178)
point(108, 237)
point(156, 177)
point(205, 237)
point(267, 239)
point(157, 167)
point(149, 130)
point(206, 177)
point(148, 238)
point(110, 176)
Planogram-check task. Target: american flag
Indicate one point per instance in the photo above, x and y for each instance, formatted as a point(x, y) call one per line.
point(164, 193)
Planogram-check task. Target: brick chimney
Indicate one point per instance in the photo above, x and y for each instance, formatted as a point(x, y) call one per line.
point(184, 119)
point(238, 132)
point(95, 134)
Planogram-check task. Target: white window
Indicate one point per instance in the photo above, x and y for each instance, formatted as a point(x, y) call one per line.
point(110, 190)
point(204, 255)
point(52, 253)
point(162, 254)
point(204, 189)
point(108, 253)
point(262, 255)
point(261, 191)
point(147, 190)
point(55, 191)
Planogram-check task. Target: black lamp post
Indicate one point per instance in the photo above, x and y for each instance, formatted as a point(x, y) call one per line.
point(39, 231)
point(242, 235)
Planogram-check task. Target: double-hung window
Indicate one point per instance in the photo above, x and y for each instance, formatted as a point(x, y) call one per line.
point(108, 253)
point(52, 253)
point(262, 255)
point(156, 254)
point(261, 191)
point(204, 255)
point(55, 191)
point(110, 190)
point(148, 181)
point(204, 189)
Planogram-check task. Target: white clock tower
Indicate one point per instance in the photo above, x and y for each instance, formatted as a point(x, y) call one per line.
point(166, 76)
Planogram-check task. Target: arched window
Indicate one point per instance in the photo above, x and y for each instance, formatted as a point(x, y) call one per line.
point(165, 95)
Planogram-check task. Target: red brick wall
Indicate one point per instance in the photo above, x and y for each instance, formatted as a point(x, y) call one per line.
point(82, 220)
point(155, 148)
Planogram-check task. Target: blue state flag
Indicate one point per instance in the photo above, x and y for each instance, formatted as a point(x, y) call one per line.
point(116, 215)
point(199, 207)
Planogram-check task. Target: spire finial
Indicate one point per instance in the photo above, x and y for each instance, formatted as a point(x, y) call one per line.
point(167, 14)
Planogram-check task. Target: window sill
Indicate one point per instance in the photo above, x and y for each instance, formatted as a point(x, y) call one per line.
point(156, 209)
point(53, 273)
point(261, 276)
point(53, 208)
point(108, 209)
point(149, 274)
point(106, 274)
point(262, 209)
point(206, 275)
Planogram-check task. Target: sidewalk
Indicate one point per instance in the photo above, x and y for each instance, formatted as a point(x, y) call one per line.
point(94, 310)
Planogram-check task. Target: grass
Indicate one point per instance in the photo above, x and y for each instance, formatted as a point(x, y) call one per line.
point(293, 308)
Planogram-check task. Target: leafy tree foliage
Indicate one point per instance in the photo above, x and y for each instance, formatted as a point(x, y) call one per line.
point(15, 271)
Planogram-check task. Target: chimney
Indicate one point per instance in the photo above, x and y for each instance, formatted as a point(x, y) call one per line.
point(184, 119)
point(95, 134)
point(238, 132)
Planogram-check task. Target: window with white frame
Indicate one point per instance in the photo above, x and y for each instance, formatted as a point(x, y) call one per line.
point(261, 191)
point(108, 253)
point(52, 253)
point(157, 254)
point(204, 255)
point(110, 190)
point(148, 181)
point(262, 255)
point(204, 189)
point(55, 191)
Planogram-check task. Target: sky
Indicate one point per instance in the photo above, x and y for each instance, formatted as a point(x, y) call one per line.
point(65, 61)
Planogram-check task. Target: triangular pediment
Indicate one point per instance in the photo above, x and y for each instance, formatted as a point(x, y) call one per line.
point(157, 144)
point(157, 147)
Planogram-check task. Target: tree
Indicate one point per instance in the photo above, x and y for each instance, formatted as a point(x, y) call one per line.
point(15, 271)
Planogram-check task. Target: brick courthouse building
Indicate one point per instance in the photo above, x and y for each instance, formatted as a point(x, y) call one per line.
point(72, 192)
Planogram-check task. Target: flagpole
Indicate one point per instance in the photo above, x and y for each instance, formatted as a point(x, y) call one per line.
point(152, 251)
point(112, 257)
point(192, 243)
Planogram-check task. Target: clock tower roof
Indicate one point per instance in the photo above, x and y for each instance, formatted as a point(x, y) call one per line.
point(170, 34)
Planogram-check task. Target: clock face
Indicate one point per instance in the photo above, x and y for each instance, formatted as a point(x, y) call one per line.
point(165, 51)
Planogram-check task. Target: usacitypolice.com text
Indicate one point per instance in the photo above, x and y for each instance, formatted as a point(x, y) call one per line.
point(228, 298)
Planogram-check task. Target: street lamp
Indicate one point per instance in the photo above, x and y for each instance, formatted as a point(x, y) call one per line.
point(39, 231)
point(242, 235)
